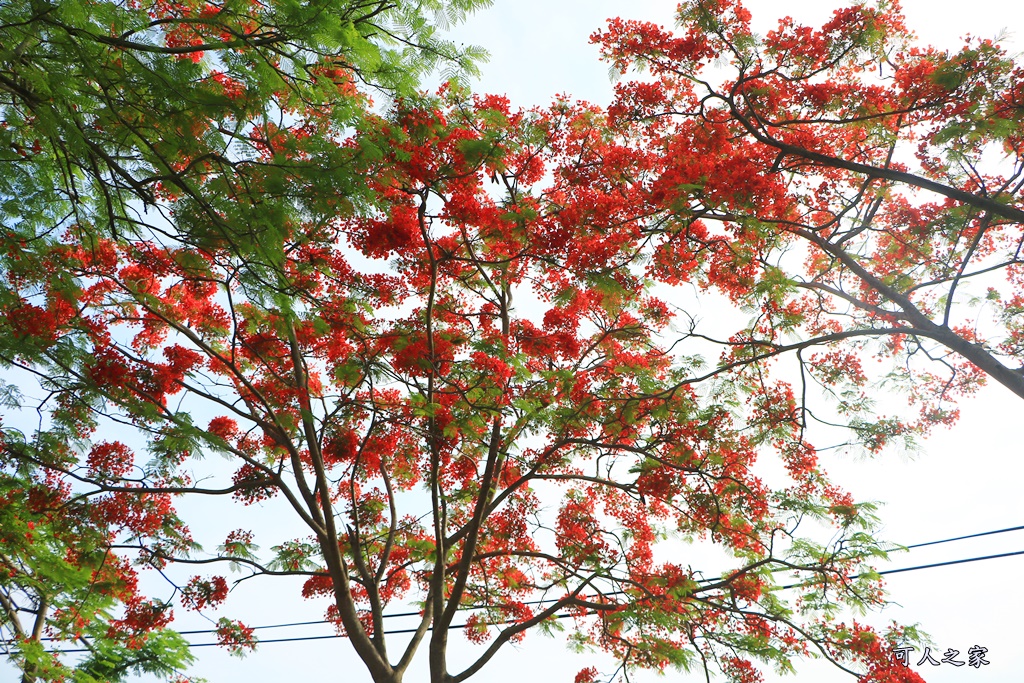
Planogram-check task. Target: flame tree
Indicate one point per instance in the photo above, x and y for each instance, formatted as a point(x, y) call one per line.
point(435, 336)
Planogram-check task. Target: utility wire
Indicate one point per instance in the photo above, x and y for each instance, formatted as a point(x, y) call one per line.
point(960, 538)
point(541, 602)
point(555, 616)
point(326, 637)
point(562, 616)
point(924, 566)
point(943, 564)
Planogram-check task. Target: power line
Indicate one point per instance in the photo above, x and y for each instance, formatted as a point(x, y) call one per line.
point(396, 615)
point(960, 538)
point(540, 602)
point(924, 566)
point(393, 615)
point(555, 616)
point(943, 564)
point(324, 637)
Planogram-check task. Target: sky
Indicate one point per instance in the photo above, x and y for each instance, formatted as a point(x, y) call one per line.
point(963, 481)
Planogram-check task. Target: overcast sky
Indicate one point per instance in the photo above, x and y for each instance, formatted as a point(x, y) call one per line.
point(965, 480)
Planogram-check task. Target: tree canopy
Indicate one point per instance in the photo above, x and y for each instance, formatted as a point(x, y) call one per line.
point(832, 134)
point(445, 333)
